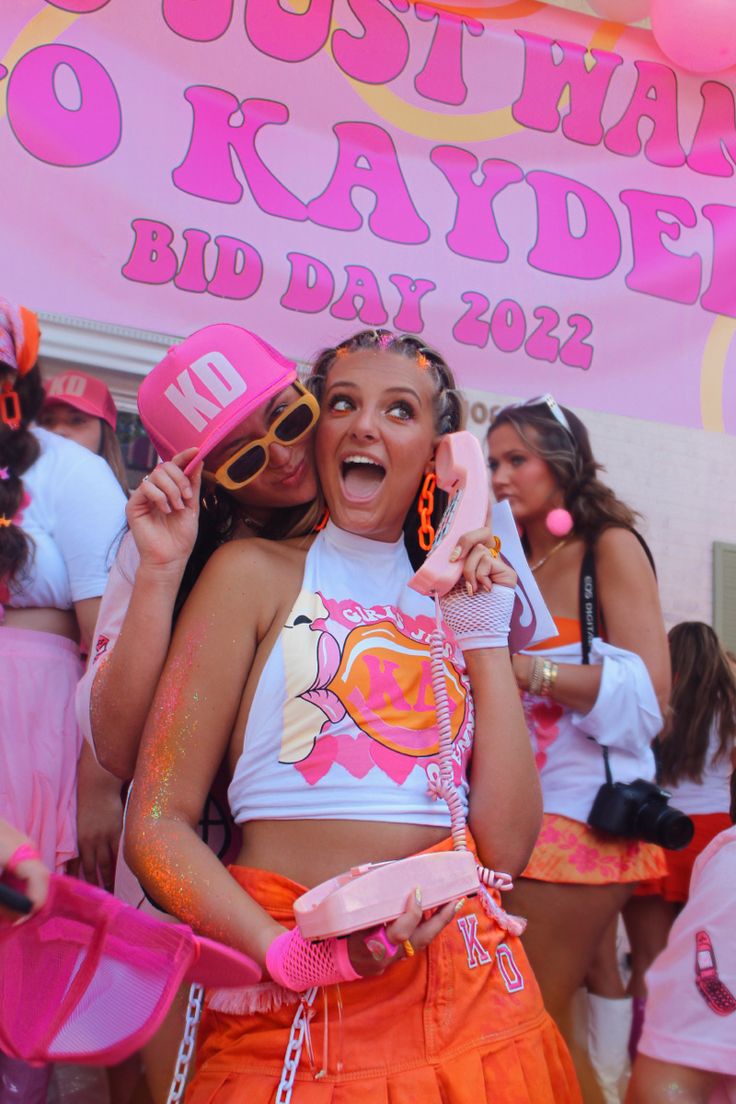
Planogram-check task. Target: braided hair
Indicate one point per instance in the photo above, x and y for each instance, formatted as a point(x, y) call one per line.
point(449, 407)
point(19, 449)
point(569, 456)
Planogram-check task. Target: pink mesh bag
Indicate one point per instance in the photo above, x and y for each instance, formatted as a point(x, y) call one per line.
point(89, 979)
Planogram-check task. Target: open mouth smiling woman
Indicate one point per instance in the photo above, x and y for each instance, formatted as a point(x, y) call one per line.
point(316, 688)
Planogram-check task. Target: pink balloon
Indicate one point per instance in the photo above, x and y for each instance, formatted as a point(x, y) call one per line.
point(622, 11)
point(701, 38)
point(559, 522)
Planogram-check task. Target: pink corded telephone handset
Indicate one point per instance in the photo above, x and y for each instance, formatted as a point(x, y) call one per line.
point(461, 471)
point(376, 893)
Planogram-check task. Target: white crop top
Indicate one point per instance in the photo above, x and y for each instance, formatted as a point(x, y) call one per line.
point(74, 511)
point(343, 722)
point(567, 745)
point(713, 793)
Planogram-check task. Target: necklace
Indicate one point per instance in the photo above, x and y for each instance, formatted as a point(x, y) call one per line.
point(556, 548)
point(252, 523)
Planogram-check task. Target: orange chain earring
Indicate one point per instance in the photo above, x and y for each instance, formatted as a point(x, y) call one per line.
point(425, 506)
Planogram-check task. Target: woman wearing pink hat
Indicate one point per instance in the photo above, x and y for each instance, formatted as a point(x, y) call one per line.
point(81, 408)
point(233, 424)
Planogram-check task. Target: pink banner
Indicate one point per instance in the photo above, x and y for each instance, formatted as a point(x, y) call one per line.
point(539, 194)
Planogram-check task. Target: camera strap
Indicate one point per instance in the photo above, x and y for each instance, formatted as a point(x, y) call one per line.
point(589, 622)
point(588, 603)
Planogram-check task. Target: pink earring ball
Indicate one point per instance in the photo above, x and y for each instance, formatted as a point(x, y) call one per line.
point(559, 522)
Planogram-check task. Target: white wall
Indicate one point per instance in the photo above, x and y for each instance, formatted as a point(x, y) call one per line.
point(682, 482)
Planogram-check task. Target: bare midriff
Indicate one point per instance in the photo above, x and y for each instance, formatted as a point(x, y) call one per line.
point(309, 851)
point(45, 619)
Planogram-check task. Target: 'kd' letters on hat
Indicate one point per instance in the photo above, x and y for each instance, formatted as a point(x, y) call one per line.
point(220, 378)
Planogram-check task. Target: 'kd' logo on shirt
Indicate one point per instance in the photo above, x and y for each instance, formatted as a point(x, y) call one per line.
point(219, 377)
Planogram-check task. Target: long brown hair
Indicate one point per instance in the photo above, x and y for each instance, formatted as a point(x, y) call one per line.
point(703, 698)
point(19, 449)
point(449, 407)
point(569, 456)
point(219, 516)
point(111, 452)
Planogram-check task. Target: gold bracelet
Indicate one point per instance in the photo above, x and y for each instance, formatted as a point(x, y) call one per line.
point(535, 676)
point(549, 678)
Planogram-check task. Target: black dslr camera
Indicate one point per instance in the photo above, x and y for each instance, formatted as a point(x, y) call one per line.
point(640, 810)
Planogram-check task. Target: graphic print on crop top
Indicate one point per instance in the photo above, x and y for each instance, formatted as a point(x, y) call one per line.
point(359, 692)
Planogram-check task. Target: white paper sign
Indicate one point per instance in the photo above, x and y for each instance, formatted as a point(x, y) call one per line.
point(531, 621)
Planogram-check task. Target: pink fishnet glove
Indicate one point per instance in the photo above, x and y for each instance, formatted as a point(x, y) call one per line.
point(479, 620)
point(298, 965)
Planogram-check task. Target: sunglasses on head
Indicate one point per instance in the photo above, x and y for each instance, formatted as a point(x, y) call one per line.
point(552, 405)
point(294, 421)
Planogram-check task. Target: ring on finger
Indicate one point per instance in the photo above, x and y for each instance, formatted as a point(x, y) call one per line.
point(379, 945)
point(494, 548)
point(408, 948)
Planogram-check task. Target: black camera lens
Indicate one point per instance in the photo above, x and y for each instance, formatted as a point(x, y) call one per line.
point(658, 823)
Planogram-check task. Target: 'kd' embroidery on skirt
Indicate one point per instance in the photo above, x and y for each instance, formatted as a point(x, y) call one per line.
point(477, 955)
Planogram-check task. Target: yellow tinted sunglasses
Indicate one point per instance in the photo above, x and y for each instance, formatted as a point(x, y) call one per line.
point(293, 423)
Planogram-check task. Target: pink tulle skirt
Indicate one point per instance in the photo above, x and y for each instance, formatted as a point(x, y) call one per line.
point(39, 739)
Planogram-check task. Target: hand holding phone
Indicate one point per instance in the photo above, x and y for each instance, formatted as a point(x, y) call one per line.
point(461, 471)
point(375, 893)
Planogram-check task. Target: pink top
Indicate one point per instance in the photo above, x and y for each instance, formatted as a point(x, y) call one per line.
point(691, 1007)
point(113, 608)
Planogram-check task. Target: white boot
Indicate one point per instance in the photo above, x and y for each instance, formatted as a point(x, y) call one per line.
point(609, 1027)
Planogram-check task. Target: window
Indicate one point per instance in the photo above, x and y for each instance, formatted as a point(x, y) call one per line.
point(724, 593)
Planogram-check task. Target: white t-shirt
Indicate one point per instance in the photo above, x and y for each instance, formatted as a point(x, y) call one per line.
point(74, 510)
point(691, 1007)
point(712, 794)
point(567, 745)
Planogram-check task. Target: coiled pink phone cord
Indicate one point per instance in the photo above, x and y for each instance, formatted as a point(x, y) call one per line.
point(447, 789)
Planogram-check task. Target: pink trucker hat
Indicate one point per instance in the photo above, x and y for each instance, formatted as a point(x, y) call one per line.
point(90, 979)
point(84, 393)
point(206, 386)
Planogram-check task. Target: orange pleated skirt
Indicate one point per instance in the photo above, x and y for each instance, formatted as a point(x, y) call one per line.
point(459, 1023)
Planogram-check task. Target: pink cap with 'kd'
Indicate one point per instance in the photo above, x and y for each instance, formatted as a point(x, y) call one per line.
point(84, 393)
point(206, 386)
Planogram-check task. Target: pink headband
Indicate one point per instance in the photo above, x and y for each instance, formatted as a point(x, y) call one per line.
point(19, 337)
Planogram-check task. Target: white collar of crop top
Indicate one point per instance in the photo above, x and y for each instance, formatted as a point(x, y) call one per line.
point(371, 572)
point(355, 545)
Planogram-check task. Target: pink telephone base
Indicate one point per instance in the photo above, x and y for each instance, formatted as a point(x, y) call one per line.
point(377, 893)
